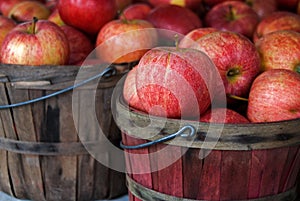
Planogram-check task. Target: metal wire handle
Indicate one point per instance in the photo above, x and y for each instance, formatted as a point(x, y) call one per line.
point(109, 71)
point(180, 132)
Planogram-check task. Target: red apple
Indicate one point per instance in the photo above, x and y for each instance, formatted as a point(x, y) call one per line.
point(136, 11)
point(223, 115)
point(80, 45)
point(280, 49)
point(190, 38)
point(279, 20)
point(274, 96)
point(6, 25)
point(174, 18)
point(26, 10)
point(87, 15)
point(129, 90)
point(233, 16)
point(236, 58)
point(125, 41)
point(263, 8)
point(176, 82)
point(55, 17)
point(35, 43)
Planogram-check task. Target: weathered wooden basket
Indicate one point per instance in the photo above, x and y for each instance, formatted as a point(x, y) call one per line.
point(41, 155)
point(254, 162)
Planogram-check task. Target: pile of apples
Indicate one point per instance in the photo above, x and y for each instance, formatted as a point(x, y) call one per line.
point(253, 47)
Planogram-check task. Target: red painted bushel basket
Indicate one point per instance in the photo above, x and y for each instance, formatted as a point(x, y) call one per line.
point(254, 162)
point(41, 155)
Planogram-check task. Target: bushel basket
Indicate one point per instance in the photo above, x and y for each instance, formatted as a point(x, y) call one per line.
point(254, 162)
point(42, 156)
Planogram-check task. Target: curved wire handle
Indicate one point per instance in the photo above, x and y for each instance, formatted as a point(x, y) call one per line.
point(106, 72)
point(180, 132)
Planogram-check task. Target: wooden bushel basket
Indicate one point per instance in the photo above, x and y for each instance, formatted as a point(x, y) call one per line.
point(254, 162)
point(41, 155)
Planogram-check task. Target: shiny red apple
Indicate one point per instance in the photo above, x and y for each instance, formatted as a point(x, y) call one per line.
point(87, 15)
point(125, 41)
point(176, 82)
point(35, 43)
point(223, 115)
point(274, 96)
point(235, 57)
point(233, 16)
point(280, 49)
point(26, 10)
point(279, 20)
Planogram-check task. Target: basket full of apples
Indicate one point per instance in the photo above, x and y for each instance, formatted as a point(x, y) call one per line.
point(216, 116)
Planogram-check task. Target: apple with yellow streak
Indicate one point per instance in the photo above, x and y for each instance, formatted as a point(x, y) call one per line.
point(192, 4)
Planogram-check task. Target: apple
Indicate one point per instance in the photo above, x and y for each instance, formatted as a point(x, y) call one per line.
point(233, 16)
point(190, 38)
point(263, 8)
point(26, 10)
point(125, 41)
point(174, 18)
point(35, 43)
point(136, 11)
point(51, 4)
point(80, 45)
point(129, 91)
point(280, 49)
point(279, 20)
point(298, 8)
point(176, 82)
point(274, 96)
point(235, 57)
point(216, 115)
point(6, 25)
point(55, 17)
point(87, 15)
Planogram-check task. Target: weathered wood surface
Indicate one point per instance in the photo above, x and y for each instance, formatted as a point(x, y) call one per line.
point(42, 157)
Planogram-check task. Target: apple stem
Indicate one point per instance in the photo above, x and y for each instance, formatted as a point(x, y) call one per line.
point(237, 97)
point(34, 21)
point(231, 14)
